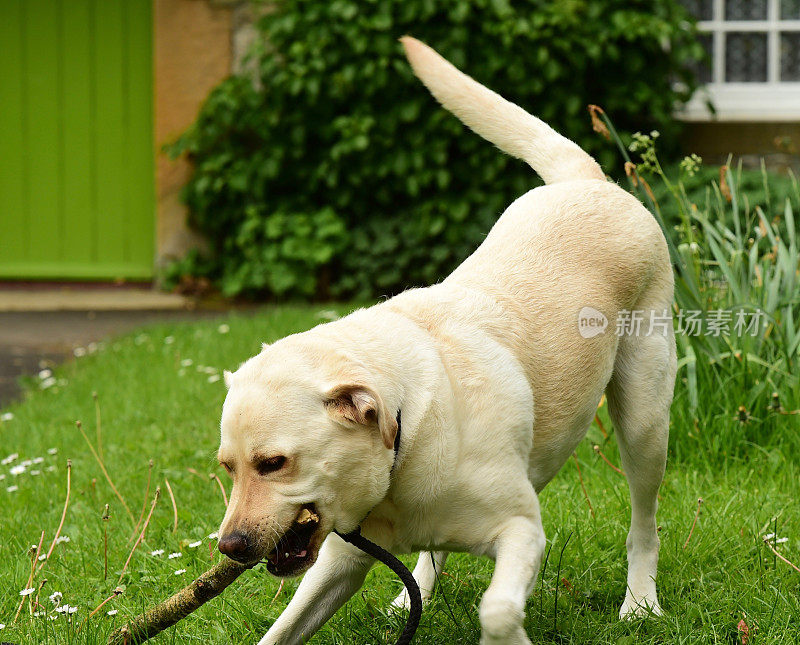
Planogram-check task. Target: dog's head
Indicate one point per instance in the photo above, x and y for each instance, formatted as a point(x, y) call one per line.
point(308, 442)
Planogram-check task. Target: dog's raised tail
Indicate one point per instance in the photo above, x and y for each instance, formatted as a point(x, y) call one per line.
point(508, 126)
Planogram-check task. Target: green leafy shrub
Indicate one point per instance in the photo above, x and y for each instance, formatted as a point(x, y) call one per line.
point(338, 135)
point(735, 248)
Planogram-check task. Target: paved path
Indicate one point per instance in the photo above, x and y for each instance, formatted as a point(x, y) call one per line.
point(32, 340)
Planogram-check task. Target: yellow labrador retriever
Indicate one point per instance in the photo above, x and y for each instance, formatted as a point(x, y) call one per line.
point(493, 379)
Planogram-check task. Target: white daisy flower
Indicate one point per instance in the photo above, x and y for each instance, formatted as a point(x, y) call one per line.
point(34, 473)
point(62, 538)
point(27, 592)
point(51, 469)
point(213, 378)
point(52, 451)
point(187, 362)
point(45, 374)
point(78, 352)
point(55, 597)
point(12, 457)
point(2, 477)
point(7, 416)
point(194, 545)
point(43, 557)
point(47, 383)
point(180, 571)
point(38, 614)
point(12, 489)
point(26, 463)
point(172, 556)
point(223, 328)
point(213, 536)
point(157, 552)
point(17, 470)
point(168, 340)
point(2, 626)
point(112, 612)
point(38, 460)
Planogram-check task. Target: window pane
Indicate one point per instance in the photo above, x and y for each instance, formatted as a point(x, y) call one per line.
point(703, 68)
point(790, 9)
point(700, 9)
point(745, 57)
point(790, 56)
point(745, 9)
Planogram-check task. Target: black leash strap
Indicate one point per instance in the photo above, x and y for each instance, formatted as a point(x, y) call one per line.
point(370, 548)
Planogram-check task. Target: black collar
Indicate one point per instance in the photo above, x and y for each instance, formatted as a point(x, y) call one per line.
point(397, 439)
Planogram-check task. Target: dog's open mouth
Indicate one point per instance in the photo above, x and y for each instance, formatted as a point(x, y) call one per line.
point(296, 550)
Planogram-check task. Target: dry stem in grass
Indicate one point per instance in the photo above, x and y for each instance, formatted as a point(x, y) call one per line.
point(775, 551)
point(694, 522)
point(144, 501)
point(141, 535)
point(583, 486)
point(174, 506)
point(30, 578)
point(98, 427)
point(596, 448)
point(103, 468)
point(221, 487)
point(63, 517)
point(209, 585)
point(106, 517)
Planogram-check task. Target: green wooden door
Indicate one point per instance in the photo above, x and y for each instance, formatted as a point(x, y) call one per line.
point(76, 144)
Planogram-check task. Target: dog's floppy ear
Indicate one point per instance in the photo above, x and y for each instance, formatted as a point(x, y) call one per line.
point(360, 405)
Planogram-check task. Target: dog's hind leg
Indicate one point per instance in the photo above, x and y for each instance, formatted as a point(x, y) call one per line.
point(639, 398)
point(429, 566)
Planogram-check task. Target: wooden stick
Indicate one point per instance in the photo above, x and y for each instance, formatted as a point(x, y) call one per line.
point(155, 620)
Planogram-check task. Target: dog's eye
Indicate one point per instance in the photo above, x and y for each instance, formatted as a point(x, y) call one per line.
point(227, 468)
point(267, 466)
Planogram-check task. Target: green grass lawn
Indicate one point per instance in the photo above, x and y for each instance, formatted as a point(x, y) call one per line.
point(160, 393)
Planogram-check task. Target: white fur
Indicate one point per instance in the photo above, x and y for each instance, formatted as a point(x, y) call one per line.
point(495, 384)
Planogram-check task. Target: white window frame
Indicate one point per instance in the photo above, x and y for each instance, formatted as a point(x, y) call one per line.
point(770, 101)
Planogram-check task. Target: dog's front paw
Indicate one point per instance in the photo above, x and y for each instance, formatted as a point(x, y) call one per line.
point(402, 602)
point(633, 608)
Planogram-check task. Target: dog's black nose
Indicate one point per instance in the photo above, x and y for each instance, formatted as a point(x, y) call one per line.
point(234, 545)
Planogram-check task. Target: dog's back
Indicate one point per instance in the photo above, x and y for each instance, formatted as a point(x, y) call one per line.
point(580, 241)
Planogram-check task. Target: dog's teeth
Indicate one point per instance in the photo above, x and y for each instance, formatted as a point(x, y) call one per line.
point(307, 516)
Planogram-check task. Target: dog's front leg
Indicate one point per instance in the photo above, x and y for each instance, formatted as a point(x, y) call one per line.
point(337, 574)
point(518, 555)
